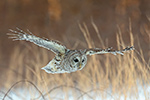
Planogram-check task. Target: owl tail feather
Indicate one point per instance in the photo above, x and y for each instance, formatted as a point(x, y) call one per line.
point(47, 69)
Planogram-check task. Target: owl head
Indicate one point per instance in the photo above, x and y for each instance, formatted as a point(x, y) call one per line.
point(77, 60)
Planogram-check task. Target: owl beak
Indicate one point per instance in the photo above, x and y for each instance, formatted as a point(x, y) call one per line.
point(80, 66)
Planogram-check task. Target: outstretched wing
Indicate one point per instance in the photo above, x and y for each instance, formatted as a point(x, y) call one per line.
point(108, 50)
point(54, 46)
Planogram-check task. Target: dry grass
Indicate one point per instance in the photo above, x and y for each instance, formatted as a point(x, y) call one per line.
point(104, 76)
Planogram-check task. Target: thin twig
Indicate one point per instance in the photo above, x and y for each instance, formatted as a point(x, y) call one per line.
point(94, 90)
point(20, 82)
point(64, 86)
point(7, 95)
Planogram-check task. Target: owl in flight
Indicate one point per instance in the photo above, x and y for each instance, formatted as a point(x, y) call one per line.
point(66, 60)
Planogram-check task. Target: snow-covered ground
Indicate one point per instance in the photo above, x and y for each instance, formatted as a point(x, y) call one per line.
point(58, 94)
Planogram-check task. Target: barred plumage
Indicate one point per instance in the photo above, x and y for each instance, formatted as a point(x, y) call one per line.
point(66, 60)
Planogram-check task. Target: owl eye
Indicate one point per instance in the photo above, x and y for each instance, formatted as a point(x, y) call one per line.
point(76, 60)
point(83, 60)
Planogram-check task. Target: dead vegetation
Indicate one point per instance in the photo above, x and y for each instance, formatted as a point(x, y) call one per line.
point(105, 76)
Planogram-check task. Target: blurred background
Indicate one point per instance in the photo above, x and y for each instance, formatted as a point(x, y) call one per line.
point(60, 19)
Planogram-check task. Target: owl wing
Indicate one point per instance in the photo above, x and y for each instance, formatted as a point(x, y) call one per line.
point(108, 50)
point(52, 45)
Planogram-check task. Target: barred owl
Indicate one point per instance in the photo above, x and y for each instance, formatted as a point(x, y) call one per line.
point(66, 60)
